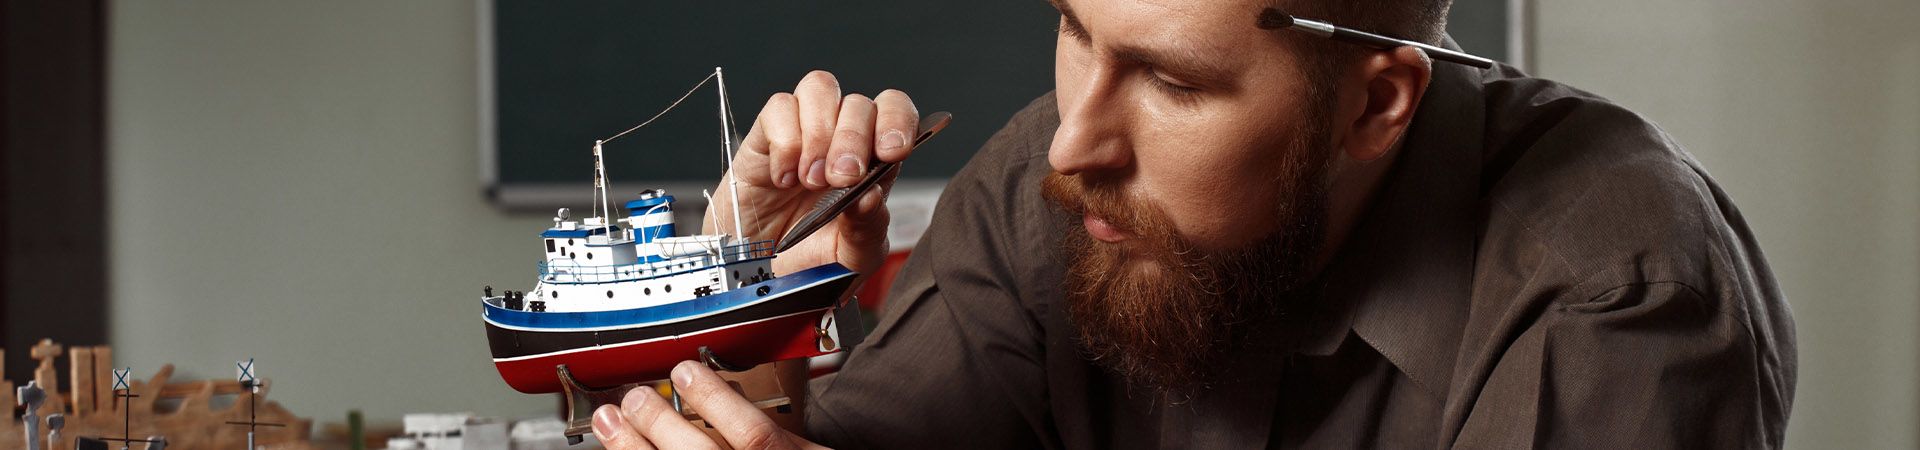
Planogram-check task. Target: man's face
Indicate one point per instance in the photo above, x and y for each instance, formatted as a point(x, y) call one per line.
point(1193, 151)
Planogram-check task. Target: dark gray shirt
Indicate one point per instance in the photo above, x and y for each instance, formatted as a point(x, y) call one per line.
point(1541, 268)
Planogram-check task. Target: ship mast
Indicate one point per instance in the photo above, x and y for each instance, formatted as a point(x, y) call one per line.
point(602, 210)
point(726, 147)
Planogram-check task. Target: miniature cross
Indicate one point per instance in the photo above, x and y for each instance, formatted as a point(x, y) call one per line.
point(31, 396)
point(46, 351)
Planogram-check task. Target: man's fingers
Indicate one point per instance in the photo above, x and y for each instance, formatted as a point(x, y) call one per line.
point(819, 101)
point(852, 141)
point(779, 121)
point(613, 432)
point(865, 226)
point(744, 426)
point(897, 123)
point(750, 163)
point(655, 420)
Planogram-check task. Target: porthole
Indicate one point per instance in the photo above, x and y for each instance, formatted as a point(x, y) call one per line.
point(609, 293)
point(589, 255)
point(556, 294)
point(569, 242)
point(736, 274)
point(646, 291)
point(669, 288)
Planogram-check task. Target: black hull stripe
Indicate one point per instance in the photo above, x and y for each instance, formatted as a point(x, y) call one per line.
point(511, 343)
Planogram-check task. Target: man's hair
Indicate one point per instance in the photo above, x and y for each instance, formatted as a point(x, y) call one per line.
point(1419, 20)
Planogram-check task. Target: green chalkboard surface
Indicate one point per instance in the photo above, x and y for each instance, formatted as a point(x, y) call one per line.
point(566, 73)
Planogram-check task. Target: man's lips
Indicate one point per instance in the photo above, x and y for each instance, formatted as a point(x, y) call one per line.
point(1100, 229)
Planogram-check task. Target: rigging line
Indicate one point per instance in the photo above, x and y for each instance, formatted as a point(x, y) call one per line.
point(676, 103)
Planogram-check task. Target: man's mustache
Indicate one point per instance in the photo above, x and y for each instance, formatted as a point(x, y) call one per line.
point(1099, 197)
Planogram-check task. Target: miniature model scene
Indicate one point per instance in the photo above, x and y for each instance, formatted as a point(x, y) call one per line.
point(102, 407)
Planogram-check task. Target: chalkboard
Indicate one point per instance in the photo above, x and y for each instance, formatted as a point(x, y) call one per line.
point(558, 75)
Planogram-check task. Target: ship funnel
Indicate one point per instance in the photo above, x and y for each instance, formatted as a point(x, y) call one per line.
point(651, 216)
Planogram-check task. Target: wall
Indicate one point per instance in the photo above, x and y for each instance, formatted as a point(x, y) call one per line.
point(297, 182)
point(1809, 114)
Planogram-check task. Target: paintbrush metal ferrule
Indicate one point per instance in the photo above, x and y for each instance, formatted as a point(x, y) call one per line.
point(1273, 19)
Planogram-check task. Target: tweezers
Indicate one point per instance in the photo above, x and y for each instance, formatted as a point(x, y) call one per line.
point(836, 201)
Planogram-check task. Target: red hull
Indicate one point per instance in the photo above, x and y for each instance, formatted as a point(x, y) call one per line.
point(774, 339)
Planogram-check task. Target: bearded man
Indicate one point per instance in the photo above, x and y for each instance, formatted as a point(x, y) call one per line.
point(1212, 235)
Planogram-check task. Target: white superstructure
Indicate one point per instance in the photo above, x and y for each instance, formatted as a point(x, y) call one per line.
point(591, 266)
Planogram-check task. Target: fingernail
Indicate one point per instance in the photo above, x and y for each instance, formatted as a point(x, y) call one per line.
point(893, 140)
point(606, 421)
point(847, 165)
point(817, 174)
point(681, 375)
point(786, 180)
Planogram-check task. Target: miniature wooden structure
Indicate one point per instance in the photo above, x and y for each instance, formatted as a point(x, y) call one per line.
point(182, 412)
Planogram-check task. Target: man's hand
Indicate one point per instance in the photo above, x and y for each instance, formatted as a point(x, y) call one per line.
point(645, 421)
point(807, 142)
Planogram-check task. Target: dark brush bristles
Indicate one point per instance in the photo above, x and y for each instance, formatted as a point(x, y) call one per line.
point(1273, 19)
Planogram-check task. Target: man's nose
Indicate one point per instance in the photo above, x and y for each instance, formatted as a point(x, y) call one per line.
point(1092, 134)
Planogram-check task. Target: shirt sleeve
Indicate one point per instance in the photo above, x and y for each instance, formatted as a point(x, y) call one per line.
point(958, 357)
point(1647, 365)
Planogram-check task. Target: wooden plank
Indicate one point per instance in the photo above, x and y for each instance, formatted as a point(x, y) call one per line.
point(80, 368)
point(220, 387)
point(103, 378)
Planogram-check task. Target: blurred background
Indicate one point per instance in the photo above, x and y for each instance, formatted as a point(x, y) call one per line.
point(325, 186)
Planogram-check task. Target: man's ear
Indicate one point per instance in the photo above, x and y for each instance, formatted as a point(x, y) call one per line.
point(1394, 83)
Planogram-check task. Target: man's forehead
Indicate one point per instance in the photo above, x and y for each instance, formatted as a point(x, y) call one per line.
point(1191, 16)
point(1209, 33)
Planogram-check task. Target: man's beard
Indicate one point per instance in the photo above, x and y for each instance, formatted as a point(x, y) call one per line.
point(1164, 324)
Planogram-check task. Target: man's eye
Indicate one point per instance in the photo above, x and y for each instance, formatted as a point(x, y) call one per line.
point(1170, 87)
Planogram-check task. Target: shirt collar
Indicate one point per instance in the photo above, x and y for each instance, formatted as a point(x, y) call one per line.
point(1402, 279)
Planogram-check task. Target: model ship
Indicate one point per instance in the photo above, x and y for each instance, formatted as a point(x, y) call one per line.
point(622, 300)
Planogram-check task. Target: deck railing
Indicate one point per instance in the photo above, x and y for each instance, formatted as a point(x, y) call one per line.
point(572, 273)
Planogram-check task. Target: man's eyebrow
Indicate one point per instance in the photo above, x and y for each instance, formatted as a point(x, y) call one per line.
point(1189, 64)
point(1072, 25)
